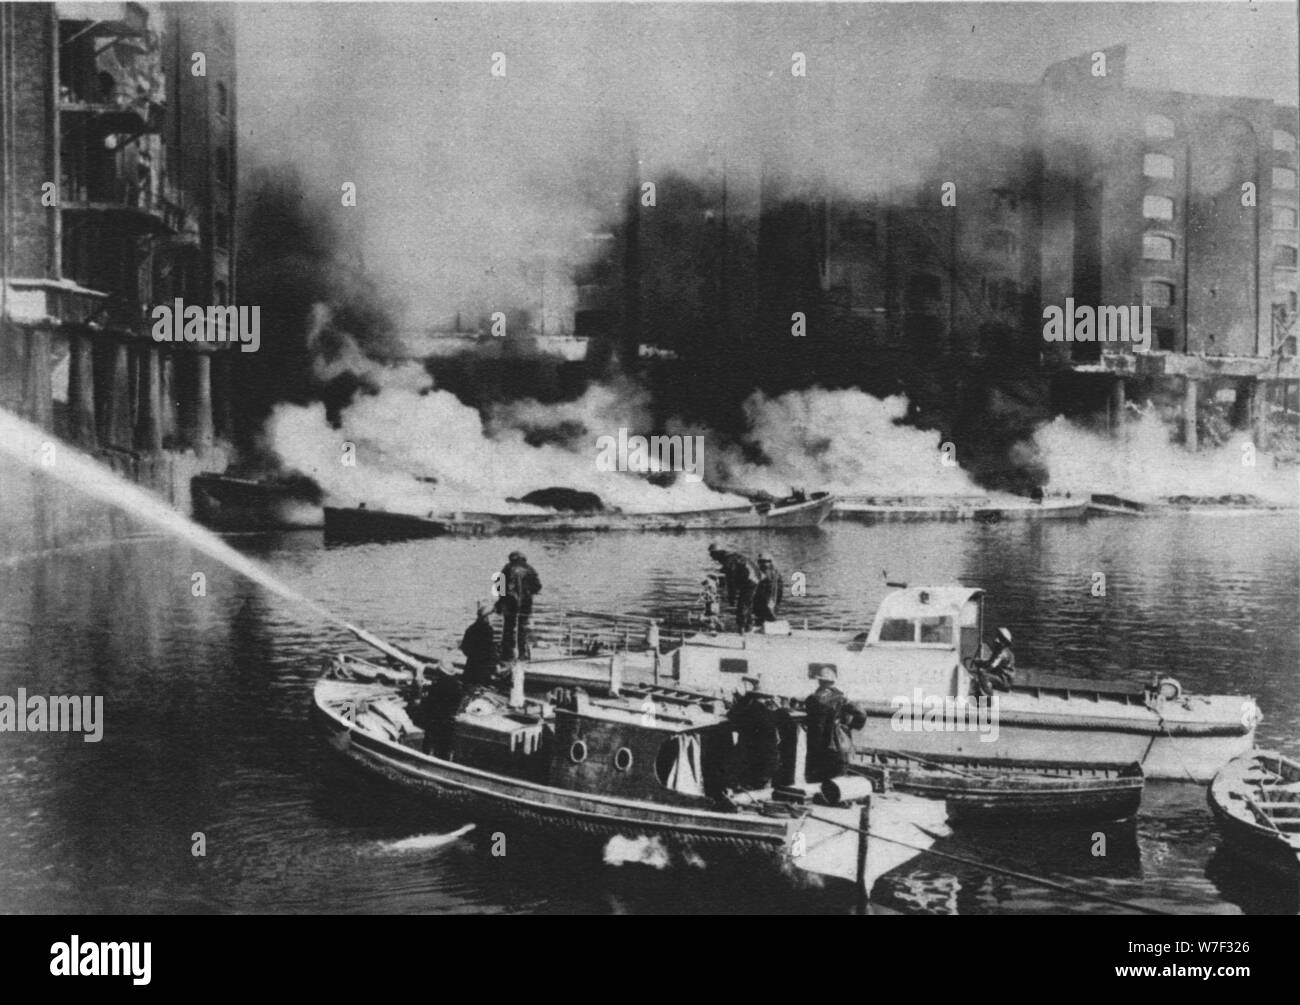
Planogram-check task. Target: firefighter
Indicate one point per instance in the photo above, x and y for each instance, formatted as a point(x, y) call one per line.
point(479, 645)
point(519, 584)
point(831, 719)
point(768, 595)
point(996, 671)
point(757, 754)
point(741, 578)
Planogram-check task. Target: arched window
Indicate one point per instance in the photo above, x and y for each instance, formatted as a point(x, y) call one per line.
point(1157, 294)
point(1283, 178)
point(222, 235)
point(1158, 166)
point(1158, 207)
point(1159, 127)
point(1284, 218)
point(223, 106)
point(1284, 141)
point(1157, 247)
point(220, 293)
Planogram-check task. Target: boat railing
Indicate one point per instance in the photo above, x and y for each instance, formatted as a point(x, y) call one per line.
point(591, 633)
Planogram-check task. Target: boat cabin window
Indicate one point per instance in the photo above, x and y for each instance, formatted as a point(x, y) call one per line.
point(896, 630)
point(733, 666)
point(929, 631)
point(934, 631)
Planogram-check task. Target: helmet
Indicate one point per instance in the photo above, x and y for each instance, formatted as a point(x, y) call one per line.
point(764, 557)
point(517, 556)
point(1005, 635)
point(827, 673)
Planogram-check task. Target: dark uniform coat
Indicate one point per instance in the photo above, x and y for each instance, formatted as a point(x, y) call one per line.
point(757, 754)
point(830, 718)
point(479, 645)
point(768, 595)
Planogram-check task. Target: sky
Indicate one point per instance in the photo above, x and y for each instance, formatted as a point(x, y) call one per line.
point(461, 175)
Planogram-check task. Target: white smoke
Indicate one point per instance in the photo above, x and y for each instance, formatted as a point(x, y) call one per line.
point(412, 448)
point(842, 441)
point(1144, 463)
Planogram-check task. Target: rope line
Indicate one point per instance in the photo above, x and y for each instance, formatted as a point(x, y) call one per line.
point(1013, 873)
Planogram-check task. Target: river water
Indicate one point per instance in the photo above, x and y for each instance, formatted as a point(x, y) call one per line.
point(207, 732)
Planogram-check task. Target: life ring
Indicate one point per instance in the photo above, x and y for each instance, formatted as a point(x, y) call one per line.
point(1169, 689)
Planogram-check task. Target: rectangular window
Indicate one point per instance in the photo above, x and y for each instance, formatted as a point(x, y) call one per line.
point(1157, 207)
point(936, 631)
point(1284, 218)
point(897, 630)
point(1157, 247)
point(1283, 178)
point(1159, 127)
point(1158, 166)
point(733, 666)
point(1156, 294)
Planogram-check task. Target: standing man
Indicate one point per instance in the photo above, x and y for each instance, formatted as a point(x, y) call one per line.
point(741, 577)
point(757, 754)
point(831, 718)
point(768, 595)
point(439, 708)
point(519, 583)
point(479, 645)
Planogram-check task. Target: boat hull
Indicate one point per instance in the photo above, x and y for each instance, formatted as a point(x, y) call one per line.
point(805, 848)
point(377, 525)
point(1192, 753)
point(984, 793)
point(369, 524)
point(870, 511)
point(1247, 834)
point(239, 504)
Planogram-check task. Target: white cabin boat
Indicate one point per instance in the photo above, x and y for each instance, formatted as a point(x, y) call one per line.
point(911, 674)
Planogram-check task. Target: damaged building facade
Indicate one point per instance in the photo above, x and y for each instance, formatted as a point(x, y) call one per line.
point(1081, 188)
point(118, 126)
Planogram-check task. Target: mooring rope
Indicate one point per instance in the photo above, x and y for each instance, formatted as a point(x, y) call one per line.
point(999, 870)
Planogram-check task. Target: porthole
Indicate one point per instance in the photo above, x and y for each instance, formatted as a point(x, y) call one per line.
point(623, 759)
point(578, 752)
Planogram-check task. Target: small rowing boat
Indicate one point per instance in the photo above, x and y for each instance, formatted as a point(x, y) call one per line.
point(991, 792)
point(639, 766)
point(1256, 800)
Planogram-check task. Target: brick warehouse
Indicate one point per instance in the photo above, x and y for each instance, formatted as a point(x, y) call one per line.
point(1080, 187)
point(120, 169)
